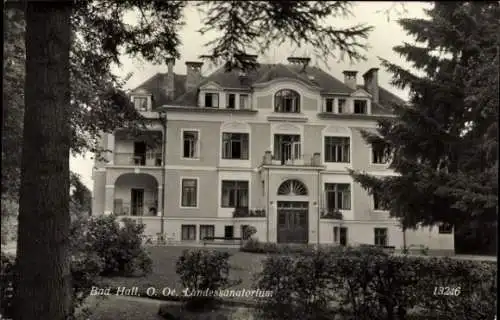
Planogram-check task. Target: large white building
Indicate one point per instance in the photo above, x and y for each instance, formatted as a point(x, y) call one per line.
point(267, 148)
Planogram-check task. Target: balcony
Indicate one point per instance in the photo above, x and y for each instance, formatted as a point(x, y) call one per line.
point(148, 159)
point(301, 160)
point(331, 213)
point(146, 208)
point(245, 212)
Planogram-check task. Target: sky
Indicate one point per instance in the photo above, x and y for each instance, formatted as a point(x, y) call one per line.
point(386, 34)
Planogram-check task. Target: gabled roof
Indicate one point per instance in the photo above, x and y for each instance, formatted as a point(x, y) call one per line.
point(311, 76)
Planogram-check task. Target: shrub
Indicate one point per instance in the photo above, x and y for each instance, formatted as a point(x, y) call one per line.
point(367, 283)
point(120, 247)
point(201, 270)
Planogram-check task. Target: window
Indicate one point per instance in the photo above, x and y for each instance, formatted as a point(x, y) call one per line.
point(235, 146)
point(287, 101)
point(211, 100)
point(379, 153)
point(234, 194)
point(141, 103)
point(228, 232)
point(188, 232)
point(377, 202)
point(190, 144)
point(329, 104)
point(231, 101)
point(207, 231)
point(342, 105)
point(338, 196)
point(445, 228)
point(337, 149)
point(360, 107)
point(380, 236)
point(189, 193)
point(244, 104)
point(287, 147)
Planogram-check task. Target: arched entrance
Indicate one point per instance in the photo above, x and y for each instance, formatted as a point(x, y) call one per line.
point(293, 214)
point(136, 194)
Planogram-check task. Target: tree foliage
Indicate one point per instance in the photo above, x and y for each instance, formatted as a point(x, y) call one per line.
point(444, 142)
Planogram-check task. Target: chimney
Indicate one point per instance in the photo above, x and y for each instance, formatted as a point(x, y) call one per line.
point(193, 74)
point(301, 61)
point(371, 83)
point(350, 78)
point(170, 89)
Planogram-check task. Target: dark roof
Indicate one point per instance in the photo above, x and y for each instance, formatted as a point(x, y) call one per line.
point(156, 84)
point(310, 75)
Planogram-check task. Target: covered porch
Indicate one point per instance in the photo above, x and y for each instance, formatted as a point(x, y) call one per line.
point(136, 194)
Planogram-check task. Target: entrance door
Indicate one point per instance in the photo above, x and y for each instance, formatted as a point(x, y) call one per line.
point(293, 221)
point(139, 153)
point(137, 202)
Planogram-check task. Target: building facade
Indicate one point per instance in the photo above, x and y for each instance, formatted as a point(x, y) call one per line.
point(268, 148)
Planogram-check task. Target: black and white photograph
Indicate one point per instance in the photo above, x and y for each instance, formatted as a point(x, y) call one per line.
point(249, 160)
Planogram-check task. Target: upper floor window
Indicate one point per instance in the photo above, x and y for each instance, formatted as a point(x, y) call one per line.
point(141, 103)
point(342, 105)
point(189, 195)
point(190, 143)
point(244, 101)
point(329, 104)
point(338, 196)
point(287, 101)
point(235, 146)
point(360, 106)
point(377, 202)
point(234, 194)
point(379, 153)
point(337, 149)
point(211, 100)
point(231, 101)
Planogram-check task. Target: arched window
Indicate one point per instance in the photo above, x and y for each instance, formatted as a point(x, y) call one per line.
point(287, 101)
point(292, 188)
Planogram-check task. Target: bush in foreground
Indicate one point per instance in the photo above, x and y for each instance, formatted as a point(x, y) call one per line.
point(119, 246)
point(367, 283)
point(203, 272)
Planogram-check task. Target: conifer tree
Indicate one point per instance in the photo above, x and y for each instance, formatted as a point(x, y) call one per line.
point(443, 143)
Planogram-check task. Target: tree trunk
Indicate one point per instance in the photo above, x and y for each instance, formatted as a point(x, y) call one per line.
point(43, 286)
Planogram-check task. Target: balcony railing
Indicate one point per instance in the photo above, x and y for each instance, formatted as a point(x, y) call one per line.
point(292, 160)
point(245, 212)
point(151, 159)
point(146, 208)
point(331, 213)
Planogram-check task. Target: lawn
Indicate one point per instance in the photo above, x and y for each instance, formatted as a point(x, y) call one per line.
point(243, 267)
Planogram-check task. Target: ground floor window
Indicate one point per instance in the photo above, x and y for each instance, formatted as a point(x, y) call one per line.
point(228, 232)
point(380, 236)
point(340, 235)
point(207, 231)
point(188, 232)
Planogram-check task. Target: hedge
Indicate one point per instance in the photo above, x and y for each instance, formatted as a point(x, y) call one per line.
point(367, 283)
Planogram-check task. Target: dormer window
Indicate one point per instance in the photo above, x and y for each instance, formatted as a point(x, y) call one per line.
point(244, 101)
point(287, 101)
point(141, 103)
point(329, 104)
point(231, 101)
point(360, 107)
point(342, 105)
point(211, 100)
